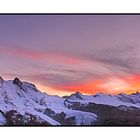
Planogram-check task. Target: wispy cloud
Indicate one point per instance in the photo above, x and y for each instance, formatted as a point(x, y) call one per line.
point(71, 53)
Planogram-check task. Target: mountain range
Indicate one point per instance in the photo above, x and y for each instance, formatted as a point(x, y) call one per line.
point(21, 103)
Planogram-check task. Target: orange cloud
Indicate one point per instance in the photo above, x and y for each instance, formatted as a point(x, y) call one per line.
point(88, 88)
point(108, 83)
point(134, 82)
point(109, 86)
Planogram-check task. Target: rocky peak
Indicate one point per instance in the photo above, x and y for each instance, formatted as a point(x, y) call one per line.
point(29, 85)
point(78, 95)
point(1, 80)
point(17, 82)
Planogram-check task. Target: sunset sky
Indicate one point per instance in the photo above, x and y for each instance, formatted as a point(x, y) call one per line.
point(62, 54)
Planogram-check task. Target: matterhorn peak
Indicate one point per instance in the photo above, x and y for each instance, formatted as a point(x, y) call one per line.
point(1, 80)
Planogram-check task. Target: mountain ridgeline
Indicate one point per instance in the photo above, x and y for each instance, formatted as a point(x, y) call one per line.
point(22, 104)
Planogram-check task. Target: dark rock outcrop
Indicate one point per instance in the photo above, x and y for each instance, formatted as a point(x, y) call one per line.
point(15, 118)
point(1, 80)
point(17, 82)
point(111, 115)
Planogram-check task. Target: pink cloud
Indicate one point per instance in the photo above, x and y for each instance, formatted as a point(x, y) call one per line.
point(16, 51)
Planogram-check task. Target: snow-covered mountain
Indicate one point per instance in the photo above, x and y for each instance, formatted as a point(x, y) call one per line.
point(113, 100)
point(26, 100)
point(21, 103)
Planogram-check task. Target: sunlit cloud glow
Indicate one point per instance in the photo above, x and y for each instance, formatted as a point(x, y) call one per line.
point(65, 54)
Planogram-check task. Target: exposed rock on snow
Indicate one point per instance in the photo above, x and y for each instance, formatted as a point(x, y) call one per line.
point(1, 80)
point(17, 82)
point(3, 120)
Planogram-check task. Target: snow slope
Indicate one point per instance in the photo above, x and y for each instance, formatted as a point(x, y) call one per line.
point(22, 100)
point(25, 97)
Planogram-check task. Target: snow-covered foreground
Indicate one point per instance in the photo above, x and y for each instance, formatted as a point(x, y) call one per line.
point(26, 98)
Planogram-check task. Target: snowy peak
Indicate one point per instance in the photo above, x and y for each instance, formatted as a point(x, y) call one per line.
point(30, 86)
point(76, 95)
point(25, 86)
point(80, 96)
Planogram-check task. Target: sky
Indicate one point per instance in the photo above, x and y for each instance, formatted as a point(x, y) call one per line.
point(62, 54)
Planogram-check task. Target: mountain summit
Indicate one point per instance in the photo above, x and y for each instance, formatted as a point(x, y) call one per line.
point(76, 95)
